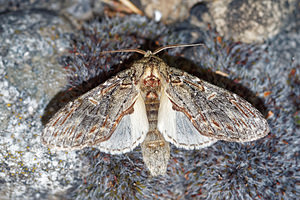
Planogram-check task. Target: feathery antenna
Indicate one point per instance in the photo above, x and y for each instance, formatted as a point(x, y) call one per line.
point(125, 50)
point(156, 51)
point(175, 46)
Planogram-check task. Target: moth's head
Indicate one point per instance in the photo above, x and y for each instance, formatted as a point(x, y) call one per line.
point(148, 54)
point(151, 65)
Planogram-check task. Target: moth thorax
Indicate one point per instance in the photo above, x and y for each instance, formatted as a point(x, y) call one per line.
point(151, 81)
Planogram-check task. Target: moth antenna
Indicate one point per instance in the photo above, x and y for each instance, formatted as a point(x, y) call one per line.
point(155, 52)
point(175, 46)
point(125, 50)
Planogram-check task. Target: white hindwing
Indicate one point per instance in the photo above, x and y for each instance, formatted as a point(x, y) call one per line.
point(178, 129)
point(130, 132)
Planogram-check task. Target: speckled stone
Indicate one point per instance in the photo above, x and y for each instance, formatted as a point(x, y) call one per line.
point(249, 20)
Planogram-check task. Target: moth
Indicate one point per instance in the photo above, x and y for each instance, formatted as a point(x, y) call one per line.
point(153, 105)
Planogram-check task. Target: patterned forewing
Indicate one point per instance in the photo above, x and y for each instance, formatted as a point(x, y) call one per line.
point(215, 112)
point(93, 117)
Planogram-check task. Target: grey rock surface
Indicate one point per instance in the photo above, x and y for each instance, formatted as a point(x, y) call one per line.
point(249, 21)
point(75, 9)
point(31, 45)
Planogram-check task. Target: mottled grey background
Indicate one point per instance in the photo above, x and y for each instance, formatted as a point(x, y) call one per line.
point(49, 54)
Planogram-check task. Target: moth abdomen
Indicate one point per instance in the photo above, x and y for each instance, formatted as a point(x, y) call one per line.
point(152, 106)
point(156, 152)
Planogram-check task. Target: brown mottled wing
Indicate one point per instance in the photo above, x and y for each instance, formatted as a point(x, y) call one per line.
point(93, 117)
point(213, 111)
